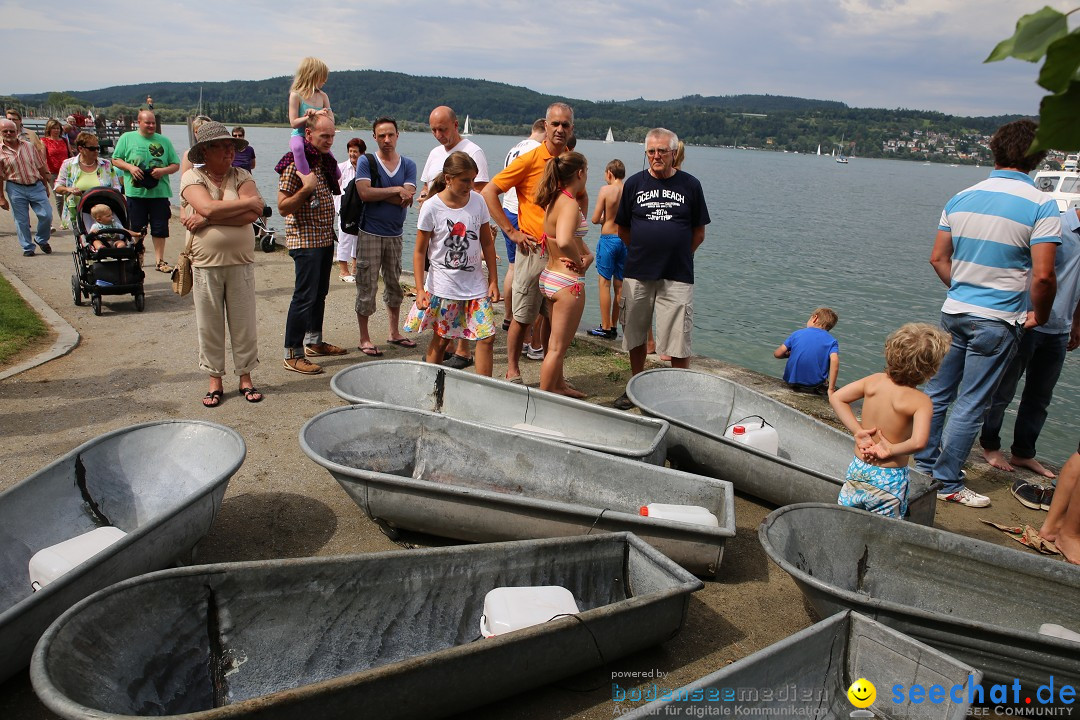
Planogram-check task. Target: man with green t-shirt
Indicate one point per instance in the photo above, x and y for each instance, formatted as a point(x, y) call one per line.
point(147, 160)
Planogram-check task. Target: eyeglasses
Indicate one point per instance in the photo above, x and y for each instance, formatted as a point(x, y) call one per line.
point(659, 152)
point(91, 148)
point(238, 135)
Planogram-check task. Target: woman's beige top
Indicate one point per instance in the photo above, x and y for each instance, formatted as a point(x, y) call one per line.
point(220, 245)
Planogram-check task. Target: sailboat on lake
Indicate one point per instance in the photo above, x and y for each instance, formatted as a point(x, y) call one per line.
point(466, 132)
point(819, 149)
point(841, 159)
point(610, 138)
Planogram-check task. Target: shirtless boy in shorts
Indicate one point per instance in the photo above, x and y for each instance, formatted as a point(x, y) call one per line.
point(610, 250)
point(895, 419)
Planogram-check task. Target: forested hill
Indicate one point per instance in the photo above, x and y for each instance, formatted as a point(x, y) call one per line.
point(360, 95)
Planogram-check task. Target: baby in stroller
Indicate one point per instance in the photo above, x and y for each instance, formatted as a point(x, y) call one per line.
point(104, 222)
point(108, 256)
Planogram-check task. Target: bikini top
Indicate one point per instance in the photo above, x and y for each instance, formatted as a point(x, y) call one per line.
point(583, 226)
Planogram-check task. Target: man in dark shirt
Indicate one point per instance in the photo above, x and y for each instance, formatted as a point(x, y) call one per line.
point(661, 218)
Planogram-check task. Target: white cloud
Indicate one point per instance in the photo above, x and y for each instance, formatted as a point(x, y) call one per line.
point(924, 54)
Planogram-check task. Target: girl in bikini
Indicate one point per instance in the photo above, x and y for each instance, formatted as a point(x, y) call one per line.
point(306, 99)
point(561, 283)
point(454, 295)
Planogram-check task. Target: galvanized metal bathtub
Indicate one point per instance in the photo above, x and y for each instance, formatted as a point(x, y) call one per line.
point(813, 457)
point(160, 482)
point(387, 635)
point(466, 396)
point(978, 602)
point(808, 675)
point(428, 472)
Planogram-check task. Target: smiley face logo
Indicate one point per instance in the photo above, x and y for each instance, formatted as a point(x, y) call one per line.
point(862, 693)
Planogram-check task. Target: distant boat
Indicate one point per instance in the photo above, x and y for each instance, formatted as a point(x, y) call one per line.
point(466, 132)
point(841, 159)
point(819, 150)
point(610, 138)
point(1062, 185)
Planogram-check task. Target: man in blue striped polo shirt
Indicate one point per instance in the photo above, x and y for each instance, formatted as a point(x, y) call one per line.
point(995, 244)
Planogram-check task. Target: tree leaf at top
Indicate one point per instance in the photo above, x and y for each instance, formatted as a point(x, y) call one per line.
point(1058, 128)
point(1034, 33)
point(1062, 63)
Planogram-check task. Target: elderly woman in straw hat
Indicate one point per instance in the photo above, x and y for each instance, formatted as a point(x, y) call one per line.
point(220, 203)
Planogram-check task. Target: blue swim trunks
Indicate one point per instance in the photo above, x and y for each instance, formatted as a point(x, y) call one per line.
point(881, 490)
point(511, 246)
point(610, 257)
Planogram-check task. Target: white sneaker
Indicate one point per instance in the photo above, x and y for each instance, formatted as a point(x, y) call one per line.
point(534, 353)
point(966, 496)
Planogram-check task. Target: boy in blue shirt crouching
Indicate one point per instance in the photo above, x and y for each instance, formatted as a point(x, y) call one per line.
point(813, 355)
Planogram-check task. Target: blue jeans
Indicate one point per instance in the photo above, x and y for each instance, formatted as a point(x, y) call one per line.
point(303, 325)
point(1039, 359)
point(23, 198)
point(980, 354)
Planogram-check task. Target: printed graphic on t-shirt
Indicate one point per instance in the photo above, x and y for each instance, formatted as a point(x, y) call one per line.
point(457, 247)
point(658, 204)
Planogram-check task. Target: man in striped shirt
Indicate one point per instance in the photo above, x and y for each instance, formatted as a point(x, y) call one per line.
point(995, 246)
point(24, 169)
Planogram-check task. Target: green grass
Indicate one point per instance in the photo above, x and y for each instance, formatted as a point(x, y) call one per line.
point(19, 325)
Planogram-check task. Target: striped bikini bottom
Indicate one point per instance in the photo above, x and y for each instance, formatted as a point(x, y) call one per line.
point(553, 282)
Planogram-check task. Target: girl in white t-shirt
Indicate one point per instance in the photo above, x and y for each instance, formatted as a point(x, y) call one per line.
point(453, 235)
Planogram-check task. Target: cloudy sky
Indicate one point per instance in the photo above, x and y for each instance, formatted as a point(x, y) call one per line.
point(918, 54)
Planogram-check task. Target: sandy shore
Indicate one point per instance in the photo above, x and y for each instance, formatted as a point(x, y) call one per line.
point(132, 367)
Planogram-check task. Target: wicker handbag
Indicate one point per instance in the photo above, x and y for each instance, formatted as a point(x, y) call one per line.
point(181, 274)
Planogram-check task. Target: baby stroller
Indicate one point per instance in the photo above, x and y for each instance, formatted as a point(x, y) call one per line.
point(109, 270)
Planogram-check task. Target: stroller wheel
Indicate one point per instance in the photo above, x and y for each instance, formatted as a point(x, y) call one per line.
point(76, 290)
point(267, 243)
point(140, 302)
point(95, 302)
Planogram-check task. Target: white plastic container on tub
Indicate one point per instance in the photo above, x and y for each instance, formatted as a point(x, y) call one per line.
point(50, 563)
point(511, 608)
point(680, 513)
point(756, 433)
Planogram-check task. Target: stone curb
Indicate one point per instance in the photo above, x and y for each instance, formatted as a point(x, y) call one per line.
point(66, 336)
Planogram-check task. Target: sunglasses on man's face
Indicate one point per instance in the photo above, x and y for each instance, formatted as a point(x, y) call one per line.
point(91, 148)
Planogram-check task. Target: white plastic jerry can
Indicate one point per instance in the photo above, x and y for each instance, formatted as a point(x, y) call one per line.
point(756, 433)
point(52, 562)
point(680, 513)
point(512, 608)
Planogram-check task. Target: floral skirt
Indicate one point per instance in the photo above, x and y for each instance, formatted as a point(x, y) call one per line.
point(468, 319)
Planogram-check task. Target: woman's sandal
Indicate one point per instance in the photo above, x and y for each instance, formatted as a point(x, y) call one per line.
point(164, 267)
point(251, 394)
point(212, 399)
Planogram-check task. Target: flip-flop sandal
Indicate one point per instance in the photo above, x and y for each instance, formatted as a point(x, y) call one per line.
point(249, 392)
point(515, 381)
point(372, 351)
point(164, 267)
point(214, 398)
point(402, 342)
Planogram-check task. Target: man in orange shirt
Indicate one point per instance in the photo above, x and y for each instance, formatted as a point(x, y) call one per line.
point(523, 174)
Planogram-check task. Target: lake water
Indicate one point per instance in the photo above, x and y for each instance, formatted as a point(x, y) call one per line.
point(789, 233)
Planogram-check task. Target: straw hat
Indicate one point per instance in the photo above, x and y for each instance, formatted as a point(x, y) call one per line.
point(212, 131)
